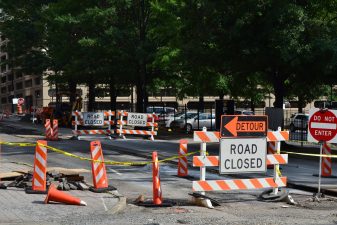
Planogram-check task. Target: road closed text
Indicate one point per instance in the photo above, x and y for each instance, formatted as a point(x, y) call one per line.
point(245, 163)
point(93, 119)
point(243, 155)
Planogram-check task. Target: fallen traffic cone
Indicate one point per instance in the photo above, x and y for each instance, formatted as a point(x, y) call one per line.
point(55, 195)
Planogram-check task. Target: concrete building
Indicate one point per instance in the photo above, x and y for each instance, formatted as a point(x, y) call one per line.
point(15, 84)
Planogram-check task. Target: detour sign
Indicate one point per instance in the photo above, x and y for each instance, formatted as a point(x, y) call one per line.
point(243, 126)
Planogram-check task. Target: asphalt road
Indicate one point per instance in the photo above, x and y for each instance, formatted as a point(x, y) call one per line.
point(237, 207)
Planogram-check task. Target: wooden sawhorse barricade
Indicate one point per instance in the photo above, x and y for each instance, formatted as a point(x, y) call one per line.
point(203, 161)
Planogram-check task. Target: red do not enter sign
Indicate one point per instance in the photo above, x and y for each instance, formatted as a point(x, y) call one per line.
point(323, 125)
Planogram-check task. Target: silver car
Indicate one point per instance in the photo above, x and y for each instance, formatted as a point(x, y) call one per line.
point(169, 119)
point(191, 122)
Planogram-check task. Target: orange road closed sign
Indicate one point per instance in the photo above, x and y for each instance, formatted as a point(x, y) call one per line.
point(243, 126)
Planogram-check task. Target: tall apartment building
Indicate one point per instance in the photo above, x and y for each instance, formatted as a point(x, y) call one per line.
point(15, 84)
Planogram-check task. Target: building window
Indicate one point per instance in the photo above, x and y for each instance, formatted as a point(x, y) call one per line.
point(3, 90)
point(37, 81)
point(18, 74)
point(3, 100)
point(28, 83)
point(3, 79)
point(3, 68)
point(10, 88)
point(10, 77)
point(18, 86)
point(37, 93)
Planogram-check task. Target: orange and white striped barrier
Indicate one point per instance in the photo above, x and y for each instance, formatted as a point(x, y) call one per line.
point(326, 161)
point(240, 184)
point(214, 160)
point(157, 192)
point(108, 121)
point(49, 130)
point(55, 135)
point(99, 176)
point(52, 132)
point(204, 136)
point(277, 135)
point(139, 132)
point(40, 168)
point(121, 122)
point(203, 161)
point(88, 132)
point(182, 160)
point(271, 147)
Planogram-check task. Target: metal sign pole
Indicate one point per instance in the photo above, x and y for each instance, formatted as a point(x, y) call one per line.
point(203, 153)
point(320, 170)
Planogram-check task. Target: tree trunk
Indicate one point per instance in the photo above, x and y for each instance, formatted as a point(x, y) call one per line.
point(279, 90)
point(201, 106)
point(141, 83)
point(252, 104)
point(72, 91)
point(300, 104)
point(91, 103)
point(113, 96)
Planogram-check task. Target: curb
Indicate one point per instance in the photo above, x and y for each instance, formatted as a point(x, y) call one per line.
point(314, 190)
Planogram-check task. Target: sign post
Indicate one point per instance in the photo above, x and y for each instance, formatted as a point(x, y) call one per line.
point(322, 128)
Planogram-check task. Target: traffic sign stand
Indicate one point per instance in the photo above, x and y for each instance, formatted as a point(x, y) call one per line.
point(319, 194)
point(322, 128)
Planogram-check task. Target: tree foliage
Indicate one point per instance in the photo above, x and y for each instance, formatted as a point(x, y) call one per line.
point(197, 47)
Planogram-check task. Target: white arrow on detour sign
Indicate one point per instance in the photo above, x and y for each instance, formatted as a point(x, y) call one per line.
point(322, 125)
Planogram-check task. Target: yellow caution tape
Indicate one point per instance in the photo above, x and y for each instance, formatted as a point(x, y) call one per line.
point(113, 162)
point(99, 161)
point(278, 171)
point(20, 144)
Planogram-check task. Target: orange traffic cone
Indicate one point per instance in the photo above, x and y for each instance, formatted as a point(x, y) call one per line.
point(55, 195)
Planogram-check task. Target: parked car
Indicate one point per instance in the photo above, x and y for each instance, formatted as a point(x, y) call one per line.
point(243, 112)
point(298, 121)
point(204, 120)
point(161, 112)
point(172, 117)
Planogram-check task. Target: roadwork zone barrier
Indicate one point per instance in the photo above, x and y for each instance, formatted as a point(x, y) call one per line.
point(141, 121)
point(103, 122)
point(204, 161)
point(51, 130)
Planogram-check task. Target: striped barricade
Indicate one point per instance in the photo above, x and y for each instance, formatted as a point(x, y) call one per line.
point(209, 136)
point(326, 161)
point(39, 181)
point(105, 129)
point(122, 123)
point(203, 161)
point(182, 160)
point(241, 184)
